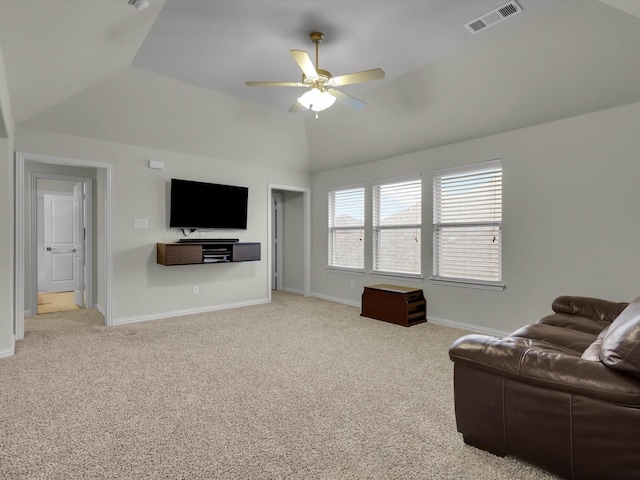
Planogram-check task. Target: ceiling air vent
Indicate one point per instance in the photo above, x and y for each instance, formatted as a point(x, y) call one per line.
point(493, 17)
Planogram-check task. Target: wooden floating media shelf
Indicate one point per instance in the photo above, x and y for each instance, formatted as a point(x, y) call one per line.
point(206, 252)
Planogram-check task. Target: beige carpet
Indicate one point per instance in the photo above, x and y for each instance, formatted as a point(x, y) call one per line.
point(298, 389)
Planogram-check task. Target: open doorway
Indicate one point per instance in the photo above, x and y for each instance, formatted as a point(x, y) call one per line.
point(100, 295)
point(61, 243)
point(289, 230)
point(287, 241)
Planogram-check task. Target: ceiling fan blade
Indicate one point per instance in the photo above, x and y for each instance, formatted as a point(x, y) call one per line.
point(347, 99)
point(358, 77)
point(274, 84)
point(304, 62)
point(296, 107)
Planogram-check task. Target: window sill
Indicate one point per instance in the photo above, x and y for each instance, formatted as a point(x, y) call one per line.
point(495, 286)
point(346, 269)
point(404, 276)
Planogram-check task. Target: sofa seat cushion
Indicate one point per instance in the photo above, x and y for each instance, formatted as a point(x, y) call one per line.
point(574, 340)
point(621, 345)
point(573, 322)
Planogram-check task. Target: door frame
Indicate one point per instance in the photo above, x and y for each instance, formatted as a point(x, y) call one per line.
point(21, 159)
point(306, 234)
point(87, 223)
point(277, 199)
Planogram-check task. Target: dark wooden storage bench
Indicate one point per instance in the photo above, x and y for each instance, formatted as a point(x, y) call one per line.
point(391, 303)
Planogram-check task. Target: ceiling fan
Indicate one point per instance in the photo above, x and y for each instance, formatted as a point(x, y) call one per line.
point(321, 93)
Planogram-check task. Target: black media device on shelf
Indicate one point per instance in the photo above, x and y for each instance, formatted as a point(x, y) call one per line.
point(207, 205)
point(208, 241)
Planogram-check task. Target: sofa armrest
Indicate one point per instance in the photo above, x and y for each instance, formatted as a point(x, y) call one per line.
point(593, 308)
point(548, 366)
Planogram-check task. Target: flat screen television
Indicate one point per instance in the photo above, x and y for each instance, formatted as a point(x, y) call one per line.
point(207, 205)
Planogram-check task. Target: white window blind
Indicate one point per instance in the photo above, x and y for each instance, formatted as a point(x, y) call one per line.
point(346, 227)
point(397, 226)
point(467, 223)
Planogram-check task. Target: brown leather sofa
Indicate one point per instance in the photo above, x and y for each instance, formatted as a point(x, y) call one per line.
point(563, 393)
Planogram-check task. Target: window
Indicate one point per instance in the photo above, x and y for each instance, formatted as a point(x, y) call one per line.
point(397, 226)
point(346, 227)
point(467, 224)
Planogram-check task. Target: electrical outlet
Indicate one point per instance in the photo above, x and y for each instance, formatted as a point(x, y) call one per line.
point(196, 289)
point(352, 284)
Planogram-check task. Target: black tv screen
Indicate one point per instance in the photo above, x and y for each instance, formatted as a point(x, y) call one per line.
point(207, 205)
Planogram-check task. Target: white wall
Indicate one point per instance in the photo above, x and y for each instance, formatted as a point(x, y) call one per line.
point(570, 218)
point(6, 247)
point(6, 218)
point(141, 288)
point(138, 107)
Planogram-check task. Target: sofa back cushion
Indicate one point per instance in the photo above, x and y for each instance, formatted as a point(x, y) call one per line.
point(592, 352)
point(597, 309)
point(620, 348)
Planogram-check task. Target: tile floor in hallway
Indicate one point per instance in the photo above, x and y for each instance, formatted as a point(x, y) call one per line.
point(56, 302)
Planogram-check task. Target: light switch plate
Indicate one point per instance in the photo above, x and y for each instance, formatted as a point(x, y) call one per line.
point(140, 223)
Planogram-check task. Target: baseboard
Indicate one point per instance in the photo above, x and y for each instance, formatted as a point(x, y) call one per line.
point(293, 290)
point(191, 311)
point(335, 299)
point(101, 309)
point(439, 321)
point(10, 351)
point(468, 326)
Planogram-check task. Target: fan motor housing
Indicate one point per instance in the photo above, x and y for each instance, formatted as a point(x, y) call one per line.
point(323, 77)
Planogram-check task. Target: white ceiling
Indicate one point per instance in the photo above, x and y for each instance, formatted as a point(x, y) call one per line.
point(54, 49)
point(220, 45)
point(556, 59)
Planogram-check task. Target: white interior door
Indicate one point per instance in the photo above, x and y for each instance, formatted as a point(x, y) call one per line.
point(60, 230)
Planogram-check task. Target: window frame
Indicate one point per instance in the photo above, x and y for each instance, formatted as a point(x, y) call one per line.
point(376, 228)
point(332, 229)
point(471, 282)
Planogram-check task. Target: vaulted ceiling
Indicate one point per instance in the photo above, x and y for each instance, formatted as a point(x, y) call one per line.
point(555, 59)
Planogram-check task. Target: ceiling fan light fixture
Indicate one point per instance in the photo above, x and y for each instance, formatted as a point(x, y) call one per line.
point(316, 100)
